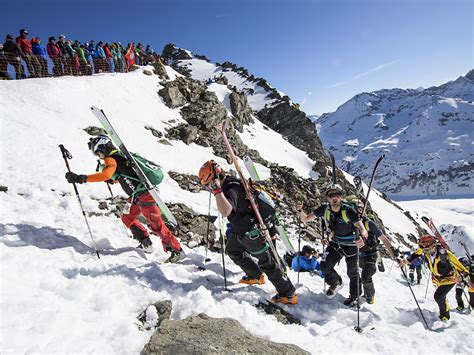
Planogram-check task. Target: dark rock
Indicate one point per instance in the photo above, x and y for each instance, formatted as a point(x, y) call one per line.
point(95, 131)
point(3, 188)
point(222, 80)
point(164, 141)
point(187, 182)
point(163, 310)
point(182, 90)
point(147, 72)
point(193, 226)
point(240, 109)
point(160, 70)
point(184, 132)
point(103, 205)
point(154, 131)
point(202, 334)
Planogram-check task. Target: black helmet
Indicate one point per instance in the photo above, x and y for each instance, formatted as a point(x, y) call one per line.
point(101, 144)
point(334, 187)
point(307, 250)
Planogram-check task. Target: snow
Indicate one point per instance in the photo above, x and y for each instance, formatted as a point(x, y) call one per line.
point(57, 297)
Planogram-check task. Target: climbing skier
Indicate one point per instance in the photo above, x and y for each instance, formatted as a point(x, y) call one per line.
point(117, 169)
point(368, 254)
point(246, 238)
point(446, 271)
point(346, 228)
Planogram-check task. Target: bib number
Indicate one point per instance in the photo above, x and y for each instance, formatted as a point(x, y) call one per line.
point(127, 207)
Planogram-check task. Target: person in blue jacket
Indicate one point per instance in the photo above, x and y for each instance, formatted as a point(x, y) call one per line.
point(308, 261)
point(41, 55)
point(416, 264)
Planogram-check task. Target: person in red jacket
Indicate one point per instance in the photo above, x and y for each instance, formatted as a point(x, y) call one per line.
point(54, 53)
point(31, 61)
point(117, 169)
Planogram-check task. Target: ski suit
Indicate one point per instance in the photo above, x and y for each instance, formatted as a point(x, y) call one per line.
point(117, 169)
point(306, 264)
point(368, 256)
point(342, 245)
point(247, 239)
point(445, 272)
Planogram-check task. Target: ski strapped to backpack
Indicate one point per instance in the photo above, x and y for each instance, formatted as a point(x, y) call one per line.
point(135, 165)
point(429, 222)
point(253, 204)
point(269, 198)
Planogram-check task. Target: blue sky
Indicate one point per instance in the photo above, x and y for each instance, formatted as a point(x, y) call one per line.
point(320, 53)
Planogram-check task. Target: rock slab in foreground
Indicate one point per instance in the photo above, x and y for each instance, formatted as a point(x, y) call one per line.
point(202, 334)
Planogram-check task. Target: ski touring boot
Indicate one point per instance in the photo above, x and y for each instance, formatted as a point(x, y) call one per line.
point(176, 256)
point(333, 290)
point(252, 281)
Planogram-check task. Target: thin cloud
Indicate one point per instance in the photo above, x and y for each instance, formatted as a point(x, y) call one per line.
point(336, 85)
point(374, 69)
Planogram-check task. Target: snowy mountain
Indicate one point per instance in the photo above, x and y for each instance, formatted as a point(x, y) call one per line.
point(426, 135)
point(57, 297)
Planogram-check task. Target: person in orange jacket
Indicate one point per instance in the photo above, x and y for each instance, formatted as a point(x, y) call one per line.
point(118, 169)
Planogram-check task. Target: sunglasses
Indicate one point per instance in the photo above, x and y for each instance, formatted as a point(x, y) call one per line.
point(336, 194)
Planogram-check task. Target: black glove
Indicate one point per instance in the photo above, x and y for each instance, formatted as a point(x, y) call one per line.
point(74, 178)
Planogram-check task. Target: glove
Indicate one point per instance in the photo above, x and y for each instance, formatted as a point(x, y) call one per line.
point(75, 179)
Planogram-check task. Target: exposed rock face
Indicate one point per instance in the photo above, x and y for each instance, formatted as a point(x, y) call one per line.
point(240, 109)
point(160, 70)
point(187, 182)
point(180, 91)
point(295, 127)
point(193, 226)
point(202, 334)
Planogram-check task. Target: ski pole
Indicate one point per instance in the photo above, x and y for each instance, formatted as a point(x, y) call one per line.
point(357, 328)
point(323, 233)
point(207, 233)
point(299, 252)
point(66, 156)
point(427, 284)
point(222, 235)
point(419, 308)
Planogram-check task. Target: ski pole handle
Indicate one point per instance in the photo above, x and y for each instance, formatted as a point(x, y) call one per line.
point(66, 156)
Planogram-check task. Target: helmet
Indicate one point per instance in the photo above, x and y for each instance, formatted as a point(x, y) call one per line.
point(99, 144)
point(209, 171)
point(334, 187)
point(426, 241)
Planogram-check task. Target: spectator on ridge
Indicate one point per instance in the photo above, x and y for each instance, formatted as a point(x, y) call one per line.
point(13, 55)
point(31, 62)
point(54, 53)
point(41, 55)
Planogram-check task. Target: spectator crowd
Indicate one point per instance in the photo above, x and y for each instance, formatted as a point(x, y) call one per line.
point(29, 58)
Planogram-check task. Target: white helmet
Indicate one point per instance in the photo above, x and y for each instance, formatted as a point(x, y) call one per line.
point(334, 187)
point(99, 144)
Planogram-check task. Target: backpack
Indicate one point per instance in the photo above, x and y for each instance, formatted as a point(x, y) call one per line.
point(151, 170)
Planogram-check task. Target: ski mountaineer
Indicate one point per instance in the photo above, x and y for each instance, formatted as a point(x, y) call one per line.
point(368, 254)
point(446, 271)
point(117, 169)
point(346, 227)
point(308, 261)
point(246, 239)
point(415, 264)
point(464, 282)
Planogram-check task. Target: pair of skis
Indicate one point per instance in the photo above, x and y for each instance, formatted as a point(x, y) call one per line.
point(104, 121)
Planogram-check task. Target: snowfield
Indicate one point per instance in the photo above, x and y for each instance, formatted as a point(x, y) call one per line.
point(57, 297)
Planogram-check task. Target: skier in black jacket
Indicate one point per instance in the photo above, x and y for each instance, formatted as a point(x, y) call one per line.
point(346, 227)
point(246, 237)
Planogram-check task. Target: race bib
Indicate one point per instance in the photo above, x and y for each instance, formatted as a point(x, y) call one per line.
point(127, 207)
point(325, 254)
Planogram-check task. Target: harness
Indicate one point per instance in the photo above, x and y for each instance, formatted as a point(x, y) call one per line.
point(347, 240)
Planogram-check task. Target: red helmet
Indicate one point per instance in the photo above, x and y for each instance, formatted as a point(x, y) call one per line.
point(209, 171)
point(426, 241)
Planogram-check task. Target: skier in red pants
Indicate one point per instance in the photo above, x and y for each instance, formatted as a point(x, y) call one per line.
point(140, 201)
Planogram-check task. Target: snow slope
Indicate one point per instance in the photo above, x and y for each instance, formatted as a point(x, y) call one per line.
point(426, 136)
point(57, 297)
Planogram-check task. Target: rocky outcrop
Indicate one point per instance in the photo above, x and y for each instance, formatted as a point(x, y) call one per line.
point(294, 126)
point(193, 226)
point(180, 91)
point(186, 182)
point(160, 70)
point(240, 109)
point(202, 334)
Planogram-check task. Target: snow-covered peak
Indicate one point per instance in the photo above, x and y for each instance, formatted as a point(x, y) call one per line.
point(425, 134)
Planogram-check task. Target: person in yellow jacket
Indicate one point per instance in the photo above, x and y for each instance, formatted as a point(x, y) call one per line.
point(446, 270)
